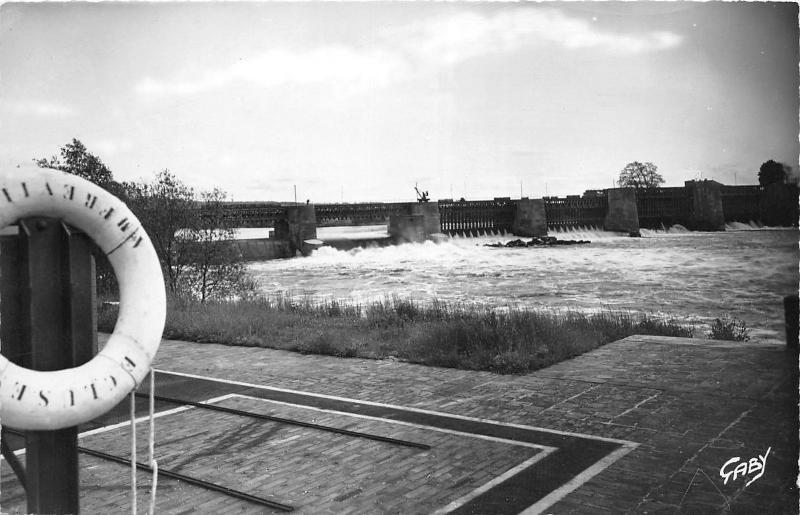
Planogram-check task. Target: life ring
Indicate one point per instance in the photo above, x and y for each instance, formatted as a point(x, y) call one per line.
point(34, 400)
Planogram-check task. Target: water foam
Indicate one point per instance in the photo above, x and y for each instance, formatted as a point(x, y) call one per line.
point(739, 226)
point(754, 226)
point(584, 233)
point(742, 273)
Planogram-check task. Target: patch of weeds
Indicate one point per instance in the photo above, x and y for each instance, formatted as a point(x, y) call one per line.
point(510, 362)
point(662, 327)
point(328, 344)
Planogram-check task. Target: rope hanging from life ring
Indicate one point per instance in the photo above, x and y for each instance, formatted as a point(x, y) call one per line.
point(34, 400)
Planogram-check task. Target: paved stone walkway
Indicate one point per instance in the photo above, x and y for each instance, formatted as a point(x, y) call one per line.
point(686, 407)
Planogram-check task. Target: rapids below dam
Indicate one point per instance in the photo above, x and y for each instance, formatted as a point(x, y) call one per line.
point(695, 277)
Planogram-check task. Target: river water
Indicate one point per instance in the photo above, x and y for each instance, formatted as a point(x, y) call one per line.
point(693, 276)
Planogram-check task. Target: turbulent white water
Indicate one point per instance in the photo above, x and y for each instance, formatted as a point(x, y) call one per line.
point(699, 276)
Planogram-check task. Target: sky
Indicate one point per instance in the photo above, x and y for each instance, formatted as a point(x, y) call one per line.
point(359, 102)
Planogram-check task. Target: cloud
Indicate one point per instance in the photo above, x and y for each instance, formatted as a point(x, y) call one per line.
point(335, 64)
point(41, 109)
point(400, 52)
point(468, 34)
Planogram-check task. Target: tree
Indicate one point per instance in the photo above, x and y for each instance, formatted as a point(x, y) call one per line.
point(192, 236)
point(75, 159)
point(217, 269)
point(772, 172)
point(640, 175)
point(164, 207)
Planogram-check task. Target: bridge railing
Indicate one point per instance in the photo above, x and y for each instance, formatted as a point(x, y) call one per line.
point(254, 214)
point(371, 213)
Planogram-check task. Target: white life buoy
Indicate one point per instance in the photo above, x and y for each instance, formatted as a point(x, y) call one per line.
point(34, 400)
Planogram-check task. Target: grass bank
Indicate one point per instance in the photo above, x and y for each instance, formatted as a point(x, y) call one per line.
point(457, 336)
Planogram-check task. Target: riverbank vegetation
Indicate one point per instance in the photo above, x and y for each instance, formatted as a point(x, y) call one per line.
point(437, 334)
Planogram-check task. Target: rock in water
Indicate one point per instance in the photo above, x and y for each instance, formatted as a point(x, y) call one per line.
point(537, 241)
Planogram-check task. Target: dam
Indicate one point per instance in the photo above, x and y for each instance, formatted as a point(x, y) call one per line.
point(698, 205)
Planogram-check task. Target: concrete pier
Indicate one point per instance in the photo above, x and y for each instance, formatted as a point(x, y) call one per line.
point(298, 224)
point(422, 220)
point(707, 214)
point(622, 214)
point(431, 221)
point(407, 228)
point(530, 218)
point(778, 205)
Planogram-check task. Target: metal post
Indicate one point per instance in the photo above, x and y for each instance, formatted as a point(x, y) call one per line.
point(48, 283)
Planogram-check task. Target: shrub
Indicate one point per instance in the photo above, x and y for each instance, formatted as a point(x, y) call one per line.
point(729, 328)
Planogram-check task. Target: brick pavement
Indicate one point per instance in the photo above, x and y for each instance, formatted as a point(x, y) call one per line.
point(690, 405)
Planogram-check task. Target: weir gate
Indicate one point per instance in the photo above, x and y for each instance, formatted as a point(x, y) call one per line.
point(698, 205)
